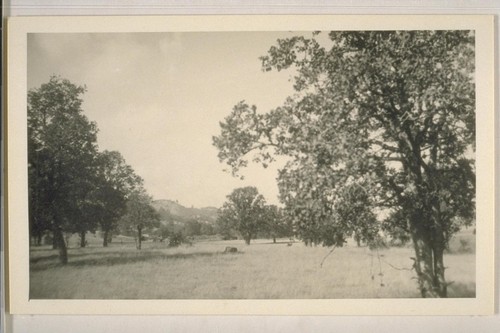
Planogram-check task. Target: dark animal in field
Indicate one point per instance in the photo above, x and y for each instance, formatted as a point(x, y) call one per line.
point(289, 244)
point(230, 249)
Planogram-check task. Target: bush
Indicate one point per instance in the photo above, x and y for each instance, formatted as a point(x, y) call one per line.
point(176, 239)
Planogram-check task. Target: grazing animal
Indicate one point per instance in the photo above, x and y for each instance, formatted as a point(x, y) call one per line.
point(230, 249)
point(289, 244)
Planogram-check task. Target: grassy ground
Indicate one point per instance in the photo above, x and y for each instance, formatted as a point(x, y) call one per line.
point(260, 271)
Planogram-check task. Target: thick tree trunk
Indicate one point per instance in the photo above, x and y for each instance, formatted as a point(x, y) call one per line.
point(61, 245)
point(139, 238)
point(83, 241)
point(428, 265)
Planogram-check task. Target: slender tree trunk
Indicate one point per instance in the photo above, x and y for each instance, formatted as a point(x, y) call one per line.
point(274, 239)
point(54, 239)
point(83, 242)
point(139, 237)
point(440, 283)
point(61, 245)
point(105, 238)
point(439, 269)
point(248, 238)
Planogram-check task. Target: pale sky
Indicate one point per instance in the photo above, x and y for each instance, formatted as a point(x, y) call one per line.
point(157, 98)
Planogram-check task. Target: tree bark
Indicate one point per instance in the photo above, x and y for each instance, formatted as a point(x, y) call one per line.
point(61, 245)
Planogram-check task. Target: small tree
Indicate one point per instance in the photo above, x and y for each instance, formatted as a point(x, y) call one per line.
point(117, 181)
point(140, 215)
point(243, 211)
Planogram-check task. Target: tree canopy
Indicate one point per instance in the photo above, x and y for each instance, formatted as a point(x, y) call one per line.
point(379, 135)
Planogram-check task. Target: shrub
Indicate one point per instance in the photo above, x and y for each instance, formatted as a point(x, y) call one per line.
point(176, 239)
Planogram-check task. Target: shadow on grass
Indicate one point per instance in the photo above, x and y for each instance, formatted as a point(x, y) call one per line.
point(274, 243)
point(104, 258)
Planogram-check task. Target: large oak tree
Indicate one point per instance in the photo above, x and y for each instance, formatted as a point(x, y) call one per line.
point(244, 211)
point(62, 147)
point(380, 135)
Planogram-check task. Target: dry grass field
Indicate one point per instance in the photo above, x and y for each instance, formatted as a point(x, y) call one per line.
point(262, 270)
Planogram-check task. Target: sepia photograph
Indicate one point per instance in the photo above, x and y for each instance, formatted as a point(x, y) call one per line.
point(288, 164)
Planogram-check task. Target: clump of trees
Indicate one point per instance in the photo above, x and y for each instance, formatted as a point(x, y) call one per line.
point(379, 135)
point(73, 187)
point(247, 213)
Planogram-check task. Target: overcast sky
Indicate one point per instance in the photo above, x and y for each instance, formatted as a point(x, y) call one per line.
point(157, 98)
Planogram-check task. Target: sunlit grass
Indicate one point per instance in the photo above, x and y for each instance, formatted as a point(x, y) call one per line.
point(260, 271)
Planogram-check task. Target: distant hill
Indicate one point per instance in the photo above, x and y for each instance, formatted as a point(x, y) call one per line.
point(169, 209)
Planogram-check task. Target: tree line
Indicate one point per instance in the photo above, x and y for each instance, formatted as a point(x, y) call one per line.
point(73, 187)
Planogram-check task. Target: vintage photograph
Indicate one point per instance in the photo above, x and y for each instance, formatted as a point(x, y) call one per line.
point(252, 165)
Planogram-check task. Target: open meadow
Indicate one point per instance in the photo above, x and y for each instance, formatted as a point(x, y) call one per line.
point(262, 270)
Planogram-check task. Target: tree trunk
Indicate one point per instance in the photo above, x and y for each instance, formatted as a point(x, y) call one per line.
point(440, 283)
point(61, 245)
point(429, 263)
point(139, 237)
point(105, 238)
point(54, 239)
point(274, 239)
point(438, 249)
point(248, 238)
point(83, 242)
point(36, 238)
